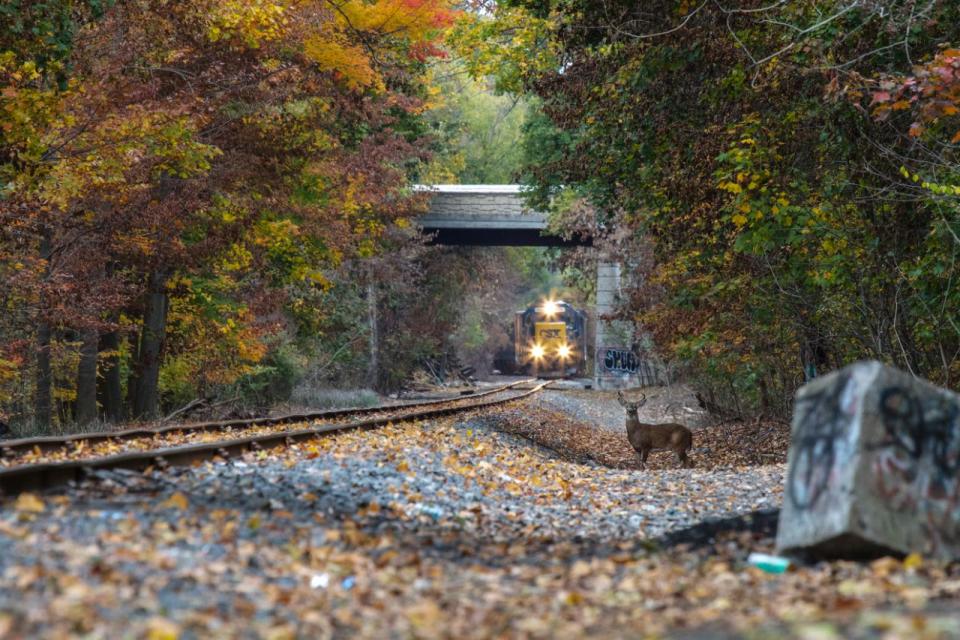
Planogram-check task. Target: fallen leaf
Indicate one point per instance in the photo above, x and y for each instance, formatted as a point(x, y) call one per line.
point(29, 503)
point(162, 629)
point(177, 501)
point(913, 561)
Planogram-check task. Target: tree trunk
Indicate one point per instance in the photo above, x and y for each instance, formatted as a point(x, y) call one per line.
point(813, 355)
point(152, 337)
point(134, 371)
point(85, 411)
point(41, 408)
point(764, 397)
point(110, 392)
point(373, 371)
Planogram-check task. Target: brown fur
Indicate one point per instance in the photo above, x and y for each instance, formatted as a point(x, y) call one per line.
point(646, 437)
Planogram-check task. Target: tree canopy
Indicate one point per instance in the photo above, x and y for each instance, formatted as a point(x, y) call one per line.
point(782, 177)
point(179, 180)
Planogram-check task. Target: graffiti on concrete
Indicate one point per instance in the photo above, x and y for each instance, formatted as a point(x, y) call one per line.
point(916, 467)
point(618, 361)
point(822, 441)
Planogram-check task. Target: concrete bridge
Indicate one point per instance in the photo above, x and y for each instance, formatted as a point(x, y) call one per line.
point(496, 215)
point(486, 215)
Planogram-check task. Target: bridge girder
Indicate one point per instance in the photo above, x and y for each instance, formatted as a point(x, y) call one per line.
point(487, 215)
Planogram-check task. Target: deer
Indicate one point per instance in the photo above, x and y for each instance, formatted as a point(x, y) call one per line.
point(646, 437)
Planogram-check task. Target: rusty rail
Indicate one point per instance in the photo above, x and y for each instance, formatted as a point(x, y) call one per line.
point(50, 443)
point(36, 477)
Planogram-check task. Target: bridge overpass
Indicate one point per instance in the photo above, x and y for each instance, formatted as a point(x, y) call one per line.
point(496, 215)
point(486, 215)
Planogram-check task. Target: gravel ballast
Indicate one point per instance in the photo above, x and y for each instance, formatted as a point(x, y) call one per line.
point(448, 528)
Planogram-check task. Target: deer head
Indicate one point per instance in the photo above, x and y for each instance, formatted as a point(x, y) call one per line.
point(631, 406)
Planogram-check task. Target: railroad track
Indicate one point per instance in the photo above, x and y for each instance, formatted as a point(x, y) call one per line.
point(44, 475)
point(11, 449)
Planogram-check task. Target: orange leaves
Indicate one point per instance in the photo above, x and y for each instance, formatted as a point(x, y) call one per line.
point(415, 20)
point(351, 64)
point(360, 31)
point(932, 93)
point(207, 100)
point(176, 501)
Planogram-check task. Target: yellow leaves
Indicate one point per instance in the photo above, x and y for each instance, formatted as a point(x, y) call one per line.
point(31, 120)
point(340, 47)
point(176, 501)
point(513, 43)
point(832, 246)
point(29, 503)
point(162, 629)
point(333, 52)
point(731, 187)
point(247, 22)
point(423, 617)
point(938, 188)
point(739, 219)
point(123, 142)
point(416, 20)
point(913, 561)
point(238, 257)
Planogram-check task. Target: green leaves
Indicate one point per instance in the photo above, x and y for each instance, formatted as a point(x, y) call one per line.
point(779, 230)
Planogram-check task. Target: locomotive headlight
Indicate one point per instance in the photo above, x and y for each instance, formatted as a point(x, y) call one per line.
point(537, 351)
point(563, 351)
point(550, 308)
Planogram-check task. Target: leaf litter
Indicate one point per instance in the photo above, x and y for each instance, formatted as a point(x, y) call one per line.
point(447, 528)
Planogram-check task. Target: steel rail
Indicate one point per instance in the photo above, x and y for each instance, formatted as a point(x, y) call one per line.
point(37, 477)
point(44, 444)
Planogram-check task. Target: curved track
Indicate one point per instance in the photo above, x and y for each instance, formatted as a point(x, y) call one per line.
point(44, 475)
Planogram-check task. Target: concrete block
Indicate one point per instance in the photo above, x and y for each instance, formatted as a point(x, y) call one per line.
point(874, 467)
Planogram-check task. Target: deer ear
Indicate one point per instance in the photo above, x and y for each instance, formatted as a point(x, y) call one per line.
point(643, 400)
point(620, 397)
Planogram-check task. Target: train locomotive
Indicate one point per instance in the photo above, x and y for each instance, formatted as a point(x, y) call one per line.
point(550, 340)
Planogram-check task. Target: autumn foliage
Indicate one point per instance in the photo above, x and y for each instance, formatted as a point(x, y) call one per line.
point(178, 181)
point(782, 179)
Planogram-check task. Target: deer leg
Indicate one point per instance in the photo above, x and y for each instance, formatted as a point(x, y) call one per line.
point(684, 462)
point(643, 458)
